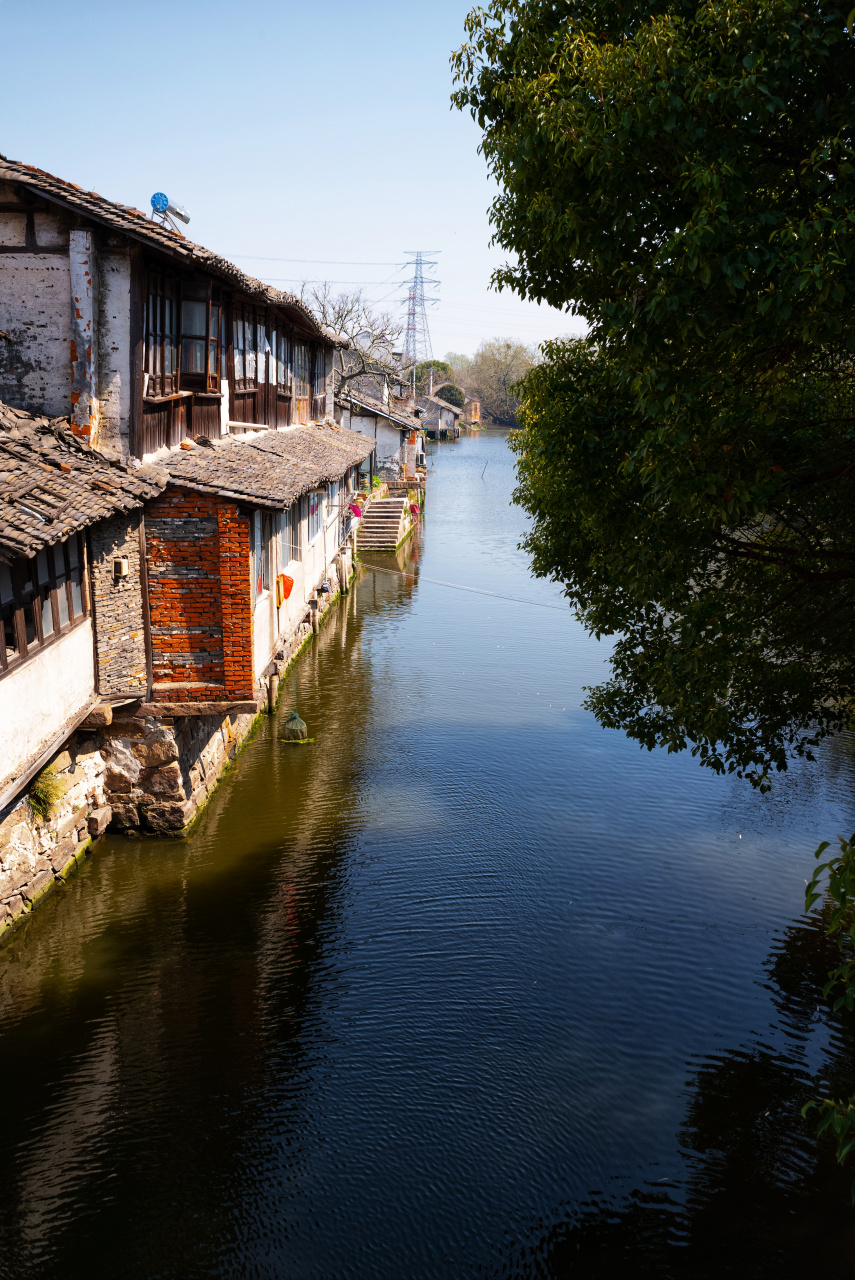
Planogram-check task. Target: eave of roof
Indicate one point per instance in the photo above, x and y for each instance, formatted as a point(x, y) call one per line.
point(376, 406)
point(132, 222)
point(271, 469)
point(52, 484)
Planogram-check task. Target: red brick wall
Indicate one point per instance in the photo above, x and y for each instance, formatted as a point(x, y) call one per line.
point(199, 597)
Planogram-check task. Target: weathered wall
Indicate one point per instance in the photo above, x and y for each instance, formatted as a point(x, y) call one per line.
point(199, 597)
point(39, 697)
point(120, 655)
point(35, 311)
point(81, 259)
point(388, 443)
point(35, 853)
point(161, 772)
point(113, 350)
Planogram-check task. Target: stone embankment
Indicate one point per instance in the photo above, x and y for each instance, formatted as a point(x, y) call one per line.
point(129, 770)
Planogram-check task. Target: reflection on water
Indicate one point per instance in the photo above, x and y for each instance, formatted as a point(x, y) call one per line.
point(469, 987)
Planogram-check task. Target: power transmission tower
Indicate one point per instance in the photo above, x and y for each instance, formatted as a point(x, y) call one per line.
point(417, 345)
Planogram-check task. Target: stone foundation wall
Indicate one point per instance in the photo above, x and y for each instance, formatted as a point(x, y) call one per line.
point(161, 772)
point(36, 853)
point(140, 775)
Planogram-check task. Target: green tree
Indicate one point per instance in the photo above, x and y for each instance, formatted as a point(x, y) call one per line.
point(681, 175)
point(452, 395)
point(441, 373)
point(493, 374)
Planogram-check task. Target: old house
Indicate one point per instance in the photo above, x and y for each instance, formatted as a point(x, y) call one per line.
point(471, 410)
point(441, 420)
point(141, 337)
point(394, 427)
point(178, 516)
point(74, 632)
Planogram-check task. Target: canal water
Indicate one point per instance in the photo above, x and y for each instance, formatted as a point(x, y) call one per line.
point(469, 987)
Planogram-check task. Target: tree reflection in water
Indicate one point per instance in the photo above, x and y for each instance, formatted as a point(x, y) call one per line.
point(761, 1196)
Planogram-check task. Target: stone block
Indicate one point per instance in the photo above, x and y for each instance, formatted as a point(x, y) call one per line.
point(99, 820)
point(62, 852)
point(42, 863)
point(67, 824)
point(156, 751)
point(123, 768)
point(167, 817)
point(37, 885)
point(163, 782)
point(64, 868)
point(15, 906)
point(61, 762)
point(124, 814)
point(4, 911)
point(14, 881)
point(98, 718)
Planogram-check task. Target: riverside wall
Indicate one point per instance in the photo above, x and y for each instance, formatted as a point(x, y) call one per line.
point(134, 773)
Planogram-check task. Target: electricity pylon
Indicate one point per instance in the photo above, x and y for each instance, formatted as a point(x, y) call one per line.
point(417, 345)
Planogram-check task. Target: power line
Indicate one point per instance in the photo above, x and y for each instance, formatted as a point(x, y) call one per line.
point(456, 586)
point(317, 262)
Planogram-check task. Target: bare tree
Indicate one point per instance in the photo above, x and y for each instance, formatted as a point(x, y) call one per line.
point(373, 337)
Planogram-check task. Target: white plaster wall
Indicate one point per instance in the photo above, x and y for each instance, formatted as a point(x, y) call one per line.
point(113, 346)
point(35, 310)
point(388, 443)
point(263, 634)
point(45, 692)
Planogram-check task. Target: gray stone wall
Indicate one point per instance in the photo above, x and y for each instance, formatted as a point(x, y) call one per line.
point(120, 657)
point(36, 853)
point(160, 772)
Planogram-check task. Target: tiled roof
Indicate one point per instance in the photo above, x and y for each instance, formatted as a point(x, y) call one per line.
point(402, 418)
point(52, 483)
point(270, 469)
point(134, 223)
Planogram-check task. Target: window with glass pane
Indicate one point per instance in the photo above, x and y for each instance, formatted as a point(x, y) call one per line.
point(237, 330)
point(249, 336)
point(45, 601)
point(9, 651)
point(41, 598)
point(161, 335)
point(214, 345)
point(266, 549)
point(61, 580)
point(301, 369)
point(75, 573)
point(283, 361)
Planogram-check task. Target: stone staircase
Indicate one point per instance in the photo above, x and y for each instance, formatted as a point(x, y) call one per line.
point(385, 525)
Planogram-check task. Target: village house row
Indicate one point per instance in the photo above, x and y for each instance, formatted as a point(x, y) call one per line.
point(178, 504)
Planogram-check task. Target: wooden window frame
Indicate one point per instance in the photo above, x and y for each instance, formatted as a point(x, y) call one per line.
point(24, 571)
point(162, 300)
point(210, 295)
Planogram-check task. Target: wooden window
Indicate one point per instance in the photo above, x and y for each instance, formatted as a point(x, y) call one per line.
point(283, 362)
point(262, 350)
point(302, 381)
point(290, 528)
point(247, 331)
point(41, 599)
point(201, 308)
point(160, 373)
point(262, 535)
point(316, 501)
point(194, 333)
point(319, 384)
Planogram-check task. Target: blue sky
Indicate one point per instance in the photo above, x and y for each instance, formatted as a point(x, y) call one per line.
point(318, 132)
